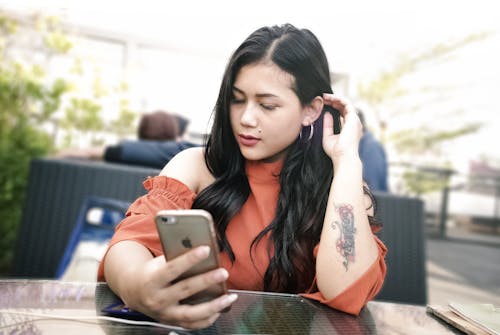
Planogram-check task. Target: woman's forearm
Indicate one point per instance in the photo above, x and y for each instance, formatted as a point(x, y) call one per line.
point(347, 247)
point(145, 283)
point(121, 264)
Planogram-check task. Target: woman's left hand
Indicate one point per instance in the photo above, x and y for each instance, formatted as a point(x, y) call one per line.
point(346, 143)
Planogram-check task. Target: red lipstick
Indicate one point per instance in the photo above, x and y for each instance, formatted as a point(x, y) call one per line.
point(248, 140)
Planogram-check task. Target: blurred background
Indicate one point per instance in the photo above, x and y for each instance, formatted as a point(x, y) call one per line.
point(76, 75)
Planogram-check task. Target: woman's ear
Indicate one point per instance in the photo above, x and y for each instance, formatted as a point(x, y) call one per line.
point(313, 111)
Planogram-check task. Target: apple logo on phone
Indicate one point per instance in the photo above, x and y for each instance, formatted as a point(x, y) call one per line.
point(186, 242)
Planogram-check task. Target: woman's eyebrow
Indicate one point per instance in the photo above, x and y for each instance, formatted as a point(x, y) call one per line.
point(258, 95)
point(266, 95)
point(237, 90)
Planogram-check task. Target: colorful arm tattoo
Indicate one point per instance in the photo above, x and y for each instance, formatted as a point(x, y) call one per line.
point(345, 242)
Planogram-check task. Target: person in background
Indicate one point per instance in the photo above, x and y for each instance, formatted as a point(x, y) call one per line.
point(291, 211)
point(374, 159)
point(183, 123)
point(158, 126)
point(159, 140)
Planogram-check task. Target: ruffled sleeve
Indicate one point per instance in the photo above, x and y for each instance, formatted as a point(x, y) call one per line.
point(365, 288)
point(138, 225)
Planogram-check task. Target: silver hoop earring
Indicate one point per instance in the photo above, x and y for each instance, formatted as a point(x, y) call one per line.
point(311, 132)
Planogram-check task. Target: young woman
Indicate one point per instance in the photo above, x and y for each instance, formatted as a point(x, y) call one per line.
point(291, 210)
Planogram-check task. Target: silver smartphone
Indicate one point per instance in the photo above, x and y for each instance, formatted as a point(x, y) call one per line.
point(183, 230)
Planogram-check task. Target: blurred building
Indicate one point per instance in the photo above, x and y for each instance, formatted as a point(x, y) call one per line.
point(483, 178)
point(117, 66)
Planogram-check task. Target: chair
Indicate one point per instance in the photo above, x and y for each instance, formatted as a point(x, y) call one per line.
point(55, 193)
point(88, 241)
point(403, 234)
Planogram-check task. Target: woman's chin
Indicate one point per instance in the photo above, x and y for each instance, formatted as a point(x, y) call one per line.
point(259, 156)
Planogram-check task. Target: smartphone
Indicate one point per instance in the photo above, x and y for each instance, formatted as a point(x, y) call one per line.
point(336, 118)
point(120, 310)
point(183, 230)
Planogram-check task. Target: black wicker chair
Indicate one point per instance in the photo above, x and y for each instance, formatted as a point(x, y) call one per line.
point(57, 188)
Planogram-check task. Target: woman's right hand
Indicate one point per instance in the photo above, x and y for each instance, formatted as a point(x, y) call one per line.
point(345, 143)
point(147, 287)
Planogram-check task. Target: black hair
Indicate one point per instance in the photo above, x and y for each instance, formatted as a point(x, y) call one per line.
point(307, 171)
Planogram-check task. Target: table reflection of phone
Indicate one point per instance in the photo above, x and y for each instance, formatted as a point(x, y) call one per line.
point(183, 230)
point(120, 310)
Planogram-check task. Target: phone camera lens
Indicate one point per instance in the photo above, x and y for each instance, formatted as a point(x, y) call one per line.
point(167, 219)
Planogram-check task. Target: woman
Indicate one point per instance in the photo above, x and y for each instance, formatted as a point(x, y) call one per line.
point(286, 193)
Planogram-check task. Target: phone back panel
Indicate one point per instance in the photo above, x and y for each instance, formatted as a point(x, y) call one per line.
point(183, 230)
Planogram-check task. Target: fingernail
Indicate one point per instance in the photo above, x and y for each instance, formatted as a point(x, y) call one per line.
point(203, 251)
point(221, 274)
point(229, 299)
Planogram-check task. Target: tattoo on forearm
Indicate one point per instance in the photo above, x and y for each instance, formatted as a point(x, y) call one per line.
point(345, 242)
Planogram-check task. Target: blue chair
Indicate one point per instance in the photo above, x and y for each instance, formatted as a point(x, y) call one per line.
point(96, 222)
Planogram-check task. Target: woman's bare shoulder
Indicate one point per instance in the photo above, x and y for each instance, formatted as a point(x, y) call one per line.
point(189, 167)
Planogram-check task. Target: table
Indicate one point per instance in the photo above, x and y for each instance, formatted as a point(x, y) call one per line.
point(252, 313)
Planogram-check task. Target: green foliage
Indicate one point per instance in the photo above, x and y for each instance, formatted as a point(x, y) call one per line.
point(57, 40)
point(83, 114)
point(419, 139)
point(420, 182)
point(29, 101)
point(26, 101)
point(124, 124)
point(387, 85)
point(23, 144)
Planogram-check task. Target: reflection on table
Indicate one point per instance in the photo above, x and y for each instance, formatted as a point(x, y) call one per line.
point(252, 313)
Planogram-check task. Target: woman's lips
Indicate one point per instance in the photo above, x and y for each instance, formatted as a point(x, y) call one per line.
point(248, 140)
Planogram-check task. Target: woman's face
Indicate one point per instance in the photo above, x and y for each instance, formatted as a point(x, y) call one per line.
point(266, 114)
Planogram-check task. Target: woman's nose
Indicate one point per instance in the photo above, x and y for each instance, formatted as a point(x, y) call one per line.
point(249, 116)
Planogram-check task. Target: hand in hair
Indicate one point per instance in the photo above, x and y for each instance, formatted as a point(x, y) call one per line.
point(345, 143)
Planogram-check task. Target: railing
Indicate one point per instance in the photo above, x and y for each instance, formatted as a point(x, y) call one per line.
point(453, 181)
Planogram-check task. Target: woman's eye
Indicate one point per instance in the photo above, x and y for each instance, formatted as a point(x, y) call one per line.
point(237, 101)
point(268, 107)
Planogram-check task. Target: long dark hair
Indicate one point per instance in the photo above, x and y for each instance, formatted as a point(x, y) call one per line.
point(307, 171)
